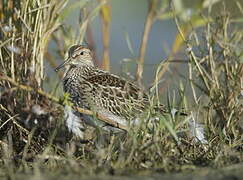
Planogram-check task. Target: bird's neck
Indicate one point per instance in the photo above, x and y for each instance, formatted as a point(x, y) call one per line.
point(81, 71)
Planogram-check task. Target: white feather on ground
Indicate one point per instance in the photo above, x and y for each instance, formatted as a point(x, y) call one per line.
point(73, 122)
point(196, 130)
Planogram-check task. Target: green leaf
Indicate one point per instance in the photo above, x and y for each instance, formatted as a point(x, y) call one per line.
point(169, 126)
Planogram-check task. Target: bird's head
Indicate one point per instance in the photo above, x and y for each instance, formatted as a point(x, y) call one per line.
point(78, 56)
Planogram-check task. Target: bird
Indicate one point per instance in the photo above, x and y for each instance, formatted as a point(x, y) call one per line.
point(95, 89)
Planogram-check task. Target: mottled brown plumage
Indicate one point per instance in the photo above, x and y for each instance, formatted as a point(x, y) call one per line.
point(101, 91)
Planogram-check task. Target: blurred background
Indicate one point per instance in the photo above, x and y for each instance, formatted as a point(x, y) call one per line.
point(126, 21)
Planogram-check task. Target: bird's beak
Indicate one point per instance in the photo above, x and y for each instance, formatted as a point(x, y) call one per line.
point(62, 65)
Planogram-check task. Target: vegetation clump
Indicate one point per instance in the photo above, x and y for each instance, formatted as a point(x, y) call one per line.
point(33, 136)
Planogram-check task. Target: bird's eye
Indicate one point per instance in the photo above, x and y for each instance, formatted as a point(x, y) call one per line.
point(82, 53)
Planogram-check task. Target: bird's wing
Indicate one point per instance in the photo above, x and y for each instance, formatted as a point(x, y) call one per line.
point(116, 94)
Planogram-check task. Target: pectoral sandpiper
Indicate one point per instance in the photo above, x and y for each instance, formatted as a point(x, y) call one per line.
point(100, 91)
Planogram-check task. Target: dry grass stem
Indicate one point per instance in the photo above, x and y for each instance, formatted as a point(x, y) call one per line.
point(147, 27)
point(105, 14)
